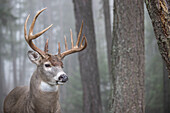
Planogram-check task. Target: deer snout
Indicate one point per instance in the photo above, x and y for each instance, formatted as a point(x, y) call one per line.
point(63, 78)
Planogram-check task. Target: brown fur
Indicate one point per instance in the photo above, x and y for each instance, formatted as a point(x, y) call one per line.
point(55, 60)
point(32, 99)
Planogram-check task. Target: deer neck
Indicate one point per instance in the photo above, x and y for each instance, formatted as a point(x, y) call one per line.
point(43, 99)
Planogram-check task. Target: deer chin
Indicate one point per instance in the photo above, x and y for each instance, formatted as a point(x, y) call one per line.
point(59, 83)
point(55, 83)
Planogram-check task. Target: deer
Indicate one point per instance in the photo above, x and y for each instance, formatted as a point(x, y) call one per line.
point(42, 94)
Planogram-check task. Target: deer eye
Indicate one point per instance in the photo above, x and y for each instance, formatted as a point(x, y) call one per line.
point(47, 65)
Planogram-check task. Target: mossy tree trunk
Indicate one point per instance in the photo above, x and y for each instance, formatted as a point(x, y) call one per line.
point(159, 14)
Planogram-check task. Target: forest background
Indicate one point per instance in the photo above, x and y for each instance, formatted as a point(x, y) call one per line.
point(16, 69)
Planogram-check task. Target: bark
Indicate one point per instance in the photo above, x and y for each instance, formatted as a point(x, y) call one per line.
point(108, 31)
point(166, 90)
point(88, 58)
point(128, 57)
point(159, 14)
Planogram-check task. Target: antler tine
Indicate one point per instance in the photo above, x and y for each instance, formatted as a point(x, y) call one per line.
point(59, 49)
point(46, 47)
point(33, 23)
point(30, 36)
point(75, 48)
point(34, 20)
point(66, 47)
point(43, 31)
point(79, 35)
point(25, 28)
point(85, 44)
point(72, 42)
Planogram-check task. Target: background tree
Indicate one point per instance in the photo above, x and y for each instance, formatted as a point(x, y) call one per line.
point(6, 17)
point(159, 14)
point(62, 17)
point(128, 57)
point(88, 58)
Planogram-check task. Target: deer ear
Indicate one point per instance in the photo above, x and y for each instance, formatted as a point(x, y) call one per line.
point(34, 57)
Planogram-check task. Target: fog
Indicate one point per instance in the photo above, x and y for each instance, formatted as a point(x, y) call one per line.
point(17, 69)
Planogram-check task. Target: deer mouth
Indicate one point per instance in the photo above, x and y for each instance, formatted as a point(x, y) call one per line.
point(60, 82)
point(61, 78)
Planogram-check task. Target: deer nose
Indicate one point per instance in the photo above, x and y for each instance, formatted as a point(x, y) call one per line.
point(63, 78)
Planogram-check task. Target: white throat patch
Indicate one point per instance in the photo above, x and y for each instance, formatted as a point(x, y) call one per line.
point(48, 88)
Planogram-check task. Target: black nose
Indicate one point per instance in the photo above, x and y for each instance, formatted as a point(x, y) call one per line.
point(63, 78)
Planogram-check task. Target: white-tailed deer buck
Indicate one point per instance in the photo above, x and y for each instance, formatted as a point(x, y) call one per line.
point(42, 94)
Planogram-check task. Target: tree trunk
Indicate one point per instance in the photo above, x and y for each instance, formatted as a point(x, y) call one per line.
point(108, 31)
point(88, 58)
point(159, 14)
point(5, 15)
point(1, 71)
point(166, 90)
point(1, 82)
point(128, 57)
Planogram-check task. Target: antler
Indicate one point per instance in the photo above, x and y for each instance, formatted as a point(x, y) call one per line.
point(75, 48)
point(44, 53)
point(31, 37)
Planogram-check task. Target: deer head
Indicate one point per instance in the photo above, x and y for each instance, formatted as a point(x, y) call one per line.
point(42, 94)
point(50, 66)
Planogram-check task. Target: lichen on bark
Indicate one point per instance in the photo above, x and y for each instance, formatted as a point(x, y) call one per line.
point(159, 14)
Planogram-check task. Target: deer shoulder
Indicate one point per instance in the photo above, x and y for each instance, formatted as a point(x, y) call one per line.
point(42, 96)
